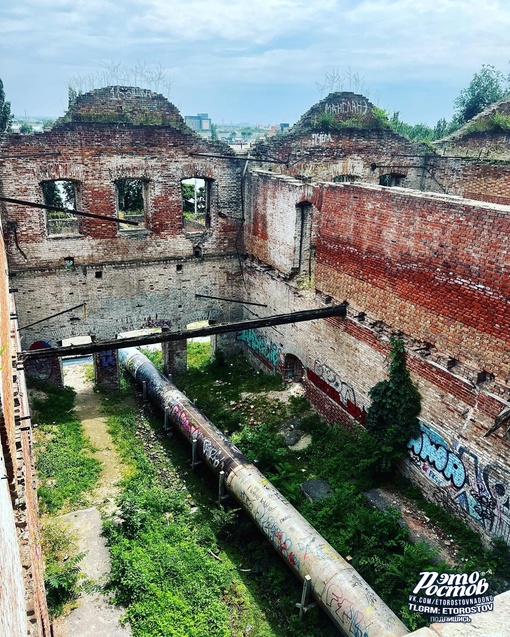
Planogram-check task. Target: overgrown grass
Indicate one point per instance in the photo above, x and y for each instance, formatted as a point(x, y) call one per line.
point(377, 542)
point(171, 566)
point(66, 473)
point(65, 467)
point(198, 353)
point(62, 573)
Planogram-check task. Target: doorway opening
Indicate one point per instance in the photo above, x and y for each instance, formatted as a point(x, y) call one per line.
point(293, 369)
point(198, 350)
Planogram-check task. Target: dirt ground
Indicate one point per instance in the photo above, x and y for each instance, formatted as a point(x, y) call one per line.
point(94, 616)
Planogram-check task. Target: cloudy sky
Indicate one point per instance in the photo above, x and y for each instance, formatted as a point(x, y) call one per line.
point(257, 61)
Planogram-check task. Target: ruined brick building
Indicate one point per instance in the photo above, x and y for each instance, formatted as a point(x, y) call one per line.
point(414, 238)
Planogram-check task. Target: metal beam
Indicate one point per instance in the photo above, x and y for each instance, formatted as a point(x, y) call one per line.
point(47, 318)
point(163, 337)
point(222, 298)
point(78, 213)
point(241, 158)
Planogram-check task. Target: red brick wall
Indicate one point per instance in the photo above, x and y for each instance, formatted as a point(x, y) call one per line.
point(22, 596)
point(7, 429)
point(95, 155)
point(270, 227)
point(432, 268)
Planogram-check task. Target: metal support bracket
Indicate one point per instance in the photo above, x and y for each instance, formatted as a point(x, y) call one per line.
point(221, 488)
point(304, 606)
point(194, 449)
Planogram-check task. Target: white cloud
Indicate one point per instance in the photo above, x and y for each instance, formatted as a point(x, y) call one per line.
point(270, 42)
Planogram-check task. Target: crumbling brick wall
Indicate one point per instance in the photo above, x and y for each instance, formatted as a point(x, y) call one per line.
point(23, 609)
point(429, 267)
point(127, 278)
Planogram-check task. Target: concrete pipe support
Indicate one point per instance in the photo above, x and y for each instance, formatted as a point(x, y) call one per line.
point(337, 587)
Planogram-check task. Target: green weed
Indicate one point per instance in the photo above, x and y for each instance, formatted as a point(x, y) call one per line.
point(62, 572)
point(65, 467)
point(198, 353)
point(169, 566)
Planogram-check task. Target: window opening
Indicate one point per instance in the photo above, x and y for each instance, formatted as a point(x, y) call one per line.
point(391, 179)
point(196, 204)
point(61, 193)
point(343, 179)
point(69, 362)
point(131, 197)
point(303, 236)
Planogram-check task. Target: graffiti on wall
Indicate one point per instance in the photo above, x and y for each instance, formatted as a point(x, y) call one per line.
point(262, 345)
point(327, 380)
point(40, 368)
point(354, 106)
point(321, 138)
point(107, 359)
point(465, 485)
point(156, 322)
point(121, 92)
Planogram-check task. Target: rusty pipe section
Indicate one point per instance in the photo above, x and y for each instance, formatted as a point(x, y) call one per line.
point(343, 594)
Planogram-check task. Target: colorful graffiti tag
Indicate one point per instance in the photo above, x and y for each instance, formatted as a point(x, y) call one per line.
point(338, 390)
point(346, 611)
point(444, 467)
point(40, 368)
point(275, 533)
point(465, 485)
point(178, 415)
point(108, 358)
point(262, 345)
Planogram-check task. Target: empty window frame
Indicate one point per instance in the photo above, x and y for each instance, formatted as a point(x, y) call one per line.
point(61, 193)
point(346, 179)
point(196, 204)
point(303, 251)
point(391, 179)
point(131, 201)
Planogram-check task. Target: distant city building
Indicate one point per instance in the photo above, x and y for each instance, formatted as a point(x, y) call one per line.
point(284, 127)
point(200, 123)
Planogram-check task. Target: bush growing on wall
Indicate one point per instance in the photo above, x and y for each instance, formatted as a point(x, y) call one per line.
point(392, 418)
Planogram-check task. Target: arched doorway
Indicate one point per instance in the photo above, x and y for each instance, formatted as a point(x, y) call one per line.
point(293, 369)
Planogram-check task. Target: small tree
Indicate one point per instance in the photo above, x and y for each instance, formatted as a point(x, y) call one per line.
point(5, 111)
point(392, 418)
point(487, 86)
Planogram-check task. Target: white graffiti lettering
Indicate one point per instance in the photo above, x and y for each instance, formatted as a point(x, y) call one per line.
point(358, 107)
point(119, 92)
point(466, 487)
point(321, 138)
point(213, 455)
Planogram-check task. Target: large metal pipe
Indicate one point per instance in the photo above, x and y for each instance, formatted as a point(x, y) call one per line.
point(337, 587)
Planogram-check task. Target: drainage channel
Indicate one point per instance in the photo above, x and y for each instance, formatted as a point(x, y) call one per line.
point(351, 604)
